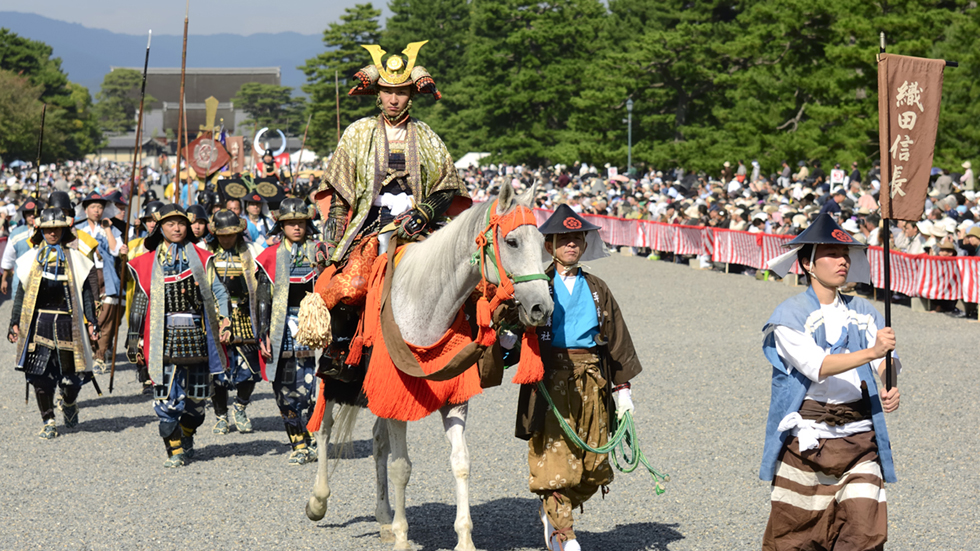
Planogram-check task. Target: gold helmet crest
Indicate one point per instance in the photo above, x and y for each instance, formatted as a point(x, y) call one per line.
point(394, 72)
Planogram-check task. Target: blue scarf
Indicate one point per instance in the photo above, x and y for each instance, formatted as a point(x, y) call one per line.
point(789, 386)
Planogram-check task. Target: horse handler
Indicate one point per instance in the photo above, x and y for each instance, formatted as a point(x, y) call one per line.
point(588, 360)
point(827, 451)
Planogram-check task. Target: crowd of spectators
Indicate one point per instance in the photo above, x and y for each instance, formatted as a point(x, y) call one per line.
point(743, 197)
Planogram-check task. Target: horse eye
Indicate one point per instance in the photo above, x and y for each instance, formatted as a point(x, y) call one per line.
point(512, 243)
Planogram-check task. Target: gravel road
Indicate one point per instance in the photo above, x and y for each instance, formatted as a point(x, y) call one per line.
point(701, 405)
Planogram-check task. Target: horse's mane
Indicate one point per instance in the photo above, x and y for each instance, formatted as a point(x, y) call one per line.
point(442, 243)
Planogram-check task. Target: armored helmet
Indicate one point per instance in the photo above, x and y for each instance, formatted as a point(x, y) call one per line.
point(294, 208)
point(52, 218)
point(226, 222)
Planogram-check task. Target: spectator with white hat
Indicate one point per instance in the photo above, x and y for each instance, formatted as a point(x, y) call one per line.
point(967, 181)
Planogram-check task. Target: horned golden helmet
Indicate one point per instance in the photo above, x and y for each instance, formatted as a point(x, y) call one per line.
point(394, 72)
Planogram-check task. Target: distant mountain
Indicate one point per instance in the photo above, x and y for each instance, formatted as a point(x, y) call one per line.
point(87, 54)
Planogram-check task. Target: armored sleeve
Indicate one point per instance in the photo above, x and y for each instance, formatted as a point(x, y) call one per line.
point(88, 303)
point(263, 299)
point(137, 312)
point(219, 291)
point(436, 204)
point(92, 283)
point(18, 306)
point(335, 225)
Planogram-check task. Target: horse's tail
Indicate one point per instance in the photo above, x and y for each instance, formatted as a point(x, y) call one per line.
point(343, 433)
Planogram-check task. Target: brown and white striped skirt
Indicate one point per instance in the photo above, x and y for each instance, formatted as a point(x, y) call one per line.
point(832, 497)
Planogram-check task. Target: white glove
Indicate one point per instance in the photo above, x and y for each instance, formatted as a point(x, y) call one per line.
point(507, 339)
point(624, 402)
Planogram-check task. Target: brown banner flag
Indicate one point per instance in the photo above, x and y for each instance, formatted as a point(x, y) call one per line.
point(909, 91)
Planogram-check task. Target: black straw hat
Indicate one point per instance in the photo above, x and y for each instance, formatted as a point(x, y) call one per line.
point(566, 220)
point(824, 231)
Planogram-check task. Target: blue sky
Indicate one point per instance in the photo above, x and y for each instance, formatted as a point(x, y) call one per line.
point(206, 16)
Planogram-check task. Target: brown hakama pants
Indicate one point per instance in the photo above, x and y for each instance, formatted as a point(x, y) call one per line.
point(832, 497)
point(564, 475)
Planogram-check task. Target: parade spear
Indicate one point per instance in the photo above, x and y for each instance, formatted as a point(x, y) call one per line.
point(181, 130)
point(40, 146)
point(37, 208)
point(299, 159)
point(123, 272)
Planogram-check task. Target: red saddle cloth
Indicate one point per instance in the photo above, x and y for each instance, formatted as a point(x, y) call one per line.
point(392, 394)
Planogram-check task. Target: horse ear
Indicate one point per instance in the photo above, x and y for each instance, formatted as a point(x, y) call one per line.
point(506, 199)
point(527, 198)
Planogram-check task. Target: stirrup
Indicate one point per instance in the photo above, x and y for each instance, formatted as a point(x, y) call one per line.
point(221, 426)
point(48, 432)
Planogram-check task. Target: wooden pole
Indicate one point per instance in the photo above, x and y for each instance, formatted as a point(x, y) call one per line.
point(301, 148)
point(129, 208)
point(37, 209)
point(187, 158)
point(181, 113)
point(336, 84)
point(40, 147)
point(886, 250)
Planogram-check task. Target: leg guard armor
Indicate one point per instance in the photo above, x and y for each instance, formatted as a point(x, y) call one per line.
point(175, 448)
point(45, 401)
point(220, 400)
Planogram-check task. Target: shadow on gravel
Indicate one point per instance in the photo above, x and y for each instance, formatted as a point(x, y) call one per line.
point(640, 536)
point(355, 520)
point(116, 399)
point(113, 424)
point(513, 523)
point(254, 448)
point(498, 525)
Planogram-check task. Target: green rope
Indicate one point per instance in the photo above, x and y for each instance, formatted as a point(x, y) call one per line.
point(623, 443)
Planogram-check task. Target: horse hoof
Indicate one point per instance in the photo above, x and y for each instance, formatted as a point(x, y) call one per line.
point(387, 534)
point(316, 510)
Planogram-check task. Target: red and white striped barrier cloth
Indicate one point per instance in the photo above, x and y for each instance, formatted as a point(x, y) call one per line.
point(931, 277)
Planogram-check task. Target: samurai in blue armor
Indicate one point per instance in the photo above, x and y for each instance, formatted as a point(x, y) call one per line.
point(287, 272)
point(48, 319)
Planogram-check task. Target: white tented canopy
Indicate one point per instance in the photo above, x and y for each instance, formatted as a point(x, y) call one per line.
point(303, 156)
point(470, 159)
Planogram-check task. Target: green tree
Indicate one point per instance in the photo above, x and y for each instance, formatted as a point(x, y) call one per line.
point(804, 78)
point(958, 132)
point(525, 61)
point(445, 24)
point(345, 56)
point(663, 58)
point(20, 116)
point(272, 106)
point(70, 130)
point(119, 100)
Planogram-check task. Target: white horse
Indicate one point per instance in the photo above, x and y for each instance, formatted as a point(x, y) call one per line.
point(432, 281)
